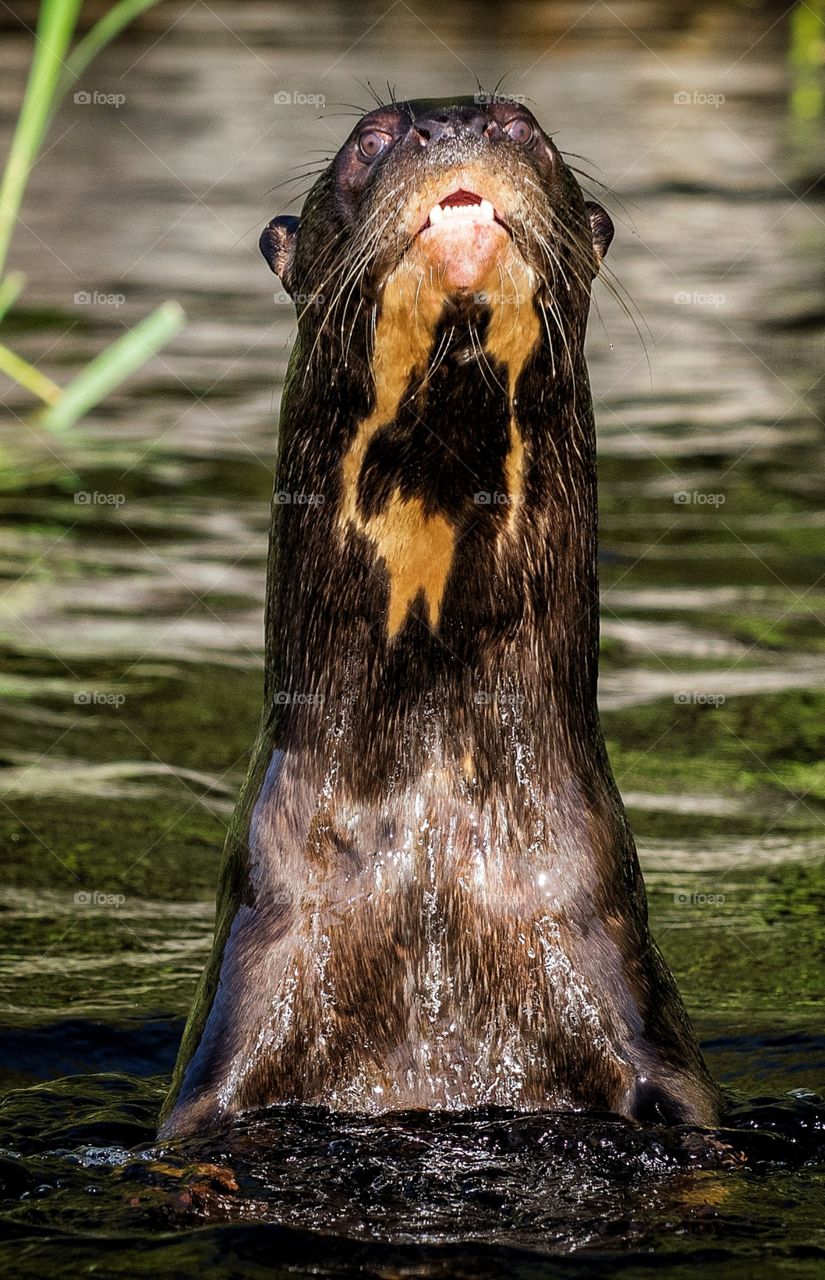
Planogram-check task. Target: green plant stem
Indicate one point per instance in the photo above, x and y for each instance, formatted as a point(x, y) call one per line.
point(55, 25)
point(101, 34)
point(10, 290)
point(114, 364)
point(27, 376)
point(52, 72)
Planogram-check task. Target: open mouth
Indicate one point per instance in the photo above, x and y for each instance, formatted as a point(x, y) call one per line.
point(463, 207)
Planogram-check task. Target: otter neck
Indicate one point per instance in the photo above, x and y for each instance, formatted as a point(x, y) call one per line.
point(435, 550)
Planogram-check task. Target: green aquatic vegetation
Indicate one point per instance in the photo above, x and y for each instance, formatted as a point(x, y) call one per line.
point(807, 61)
point(54, 68)
point(767, 743)
point(799, 632)
point(139, 847)
point(804, 778)
point(714, 925)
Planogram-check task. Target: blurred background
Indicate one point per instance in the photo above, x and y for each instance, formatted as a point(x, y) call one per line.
point(133, 545)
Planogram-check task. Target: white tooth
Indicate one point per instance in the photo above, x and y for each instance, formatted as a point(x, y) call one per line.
point(487, 210)
point(436, 213)
point(448, 210)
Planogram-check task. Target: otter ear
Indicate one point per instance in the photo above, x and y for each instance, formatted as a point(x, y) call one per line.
point(277, 244)
point(602, 229)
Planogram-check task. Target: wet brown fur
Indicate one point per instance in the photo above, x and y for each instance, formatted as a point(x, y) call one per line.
point(430, 895)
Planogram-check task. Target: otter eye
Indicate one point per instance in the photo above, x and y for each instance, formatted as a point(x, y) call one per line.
point(372, 143)
point(520, 130)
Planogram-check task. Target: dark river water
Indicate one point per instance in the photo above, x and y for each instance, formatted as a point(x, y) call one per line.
point(133, 557)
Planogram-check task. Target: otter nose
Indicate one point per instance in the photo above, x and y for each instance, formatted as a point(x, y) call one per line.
point(429, 128)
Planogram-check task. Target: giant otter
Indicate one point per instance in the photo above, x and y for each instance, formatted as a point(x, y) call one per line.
point(430, 895)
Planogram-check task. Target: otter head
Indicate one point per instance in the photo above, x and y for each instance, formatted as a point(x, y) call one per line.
point(441, 269)
point(448, 207)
